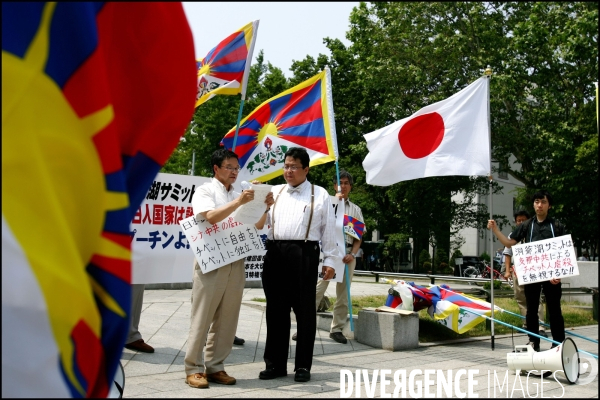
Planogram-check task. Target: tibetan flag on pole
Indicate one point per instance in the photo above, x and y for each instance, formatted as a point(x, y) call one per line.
point(451, 137)
point(451, 309)
point(88, 118)
point(353, 227)
point(226, 68)
point(301, 116)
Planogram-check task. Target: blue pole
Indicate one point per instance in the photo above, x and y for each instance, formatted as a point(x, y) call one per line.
point(522, 330)
point(547, 326)
point(237, 126)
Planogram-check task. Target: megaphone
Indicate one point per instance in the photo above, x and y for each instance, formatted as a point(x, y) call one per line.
point(563, 357)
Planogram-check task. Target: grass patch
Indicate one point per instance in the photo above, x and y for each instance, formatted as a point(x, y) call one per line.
point(261, 299)
point(430, 330)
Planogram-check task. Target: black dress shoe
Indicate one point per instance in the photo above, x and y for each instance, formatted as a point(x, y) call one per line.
point(238, 341)
point(272, 373)
point(302, 375)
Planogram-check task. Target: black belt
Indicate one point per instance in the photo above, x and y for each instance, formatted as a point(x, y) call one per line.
point(300, 241)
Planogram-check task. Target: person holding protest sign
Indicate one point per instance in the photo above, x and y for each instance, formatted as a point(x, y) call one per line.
point(340, 309)
point(538, 228)
point(301, 216)
point(520, 217)
point(216, 295)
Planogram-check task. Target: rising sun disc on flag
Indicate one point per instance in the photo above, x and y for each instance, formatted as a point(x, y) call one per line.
point(421, 135)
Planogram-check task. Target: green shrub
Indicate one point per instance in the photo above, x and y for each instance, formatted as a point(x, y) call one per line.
point(497, 285)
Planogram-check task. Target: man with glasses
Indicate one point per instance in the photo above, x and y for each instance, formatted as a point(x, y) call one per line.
point(301, 216)
point(216, 295)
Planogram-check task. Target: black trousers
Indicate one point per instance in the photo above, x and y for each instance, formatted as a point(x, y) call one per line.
point(290, 281)
point(553, 294)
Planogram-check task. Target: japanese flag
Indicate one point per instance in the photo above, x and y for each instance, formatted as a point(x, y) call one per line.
point(450, 137)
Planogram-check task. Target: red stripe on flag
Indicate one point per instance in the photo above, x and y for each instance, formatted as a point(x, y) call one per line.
point(117, 267)
point(309, 115)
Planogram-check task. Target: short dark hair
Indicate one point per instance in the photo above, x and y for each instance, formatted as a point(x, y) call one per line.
point(298, 153)
point(522, 213)
point(344, 174)
point(221, 155)
point(540, 194)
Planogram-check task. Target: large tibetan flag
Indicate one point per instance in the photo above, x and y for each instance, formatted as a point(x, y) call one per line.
point(299, 117)
point(95, 97)
point(451, 137)
point(226, 68)
point(451, 309)
point(447, 307)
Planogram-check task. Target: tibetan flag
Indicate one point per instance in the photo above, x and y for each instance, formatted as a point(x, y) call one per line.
point(451, 309)
point(95, 97)
point(451, 137)
point(299, 117)
point(353, 227)
point(226, 68)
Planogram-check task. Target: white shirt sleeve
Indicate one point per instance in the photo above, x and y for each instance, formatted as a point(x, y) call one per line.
point(203, 199)
point(331, 253)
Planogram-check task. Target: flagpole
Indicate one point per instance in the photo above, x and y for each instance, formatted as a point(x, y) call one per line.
point(522, 330)
point(488, 73)
point(337, 173)
point(237, 125)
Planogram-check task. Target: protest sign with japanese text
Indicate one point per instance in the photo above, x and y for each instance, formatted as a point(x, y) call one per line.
point(219, 244)
point(544, 260)
point(159, 249)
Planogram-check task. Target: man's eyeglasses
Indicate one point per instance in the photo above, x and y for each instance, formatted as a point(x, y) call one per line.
point(292, 168)
point(231, 169)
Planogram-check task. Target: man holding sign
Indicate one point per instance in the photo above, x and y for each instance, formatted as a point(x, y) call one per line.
point(540, 227)
point(216, 294)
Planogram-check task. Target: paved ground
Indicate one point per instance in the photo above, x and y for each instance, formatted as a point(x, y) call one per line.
point(165, 324)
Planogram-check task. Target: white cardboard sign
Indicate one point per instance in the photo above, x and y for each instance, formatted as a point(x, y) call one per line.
point(544, 260)
point(216, 245)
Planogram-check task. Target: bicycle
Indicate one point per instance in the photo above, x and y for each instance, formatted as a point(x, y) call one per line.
point(474, 272)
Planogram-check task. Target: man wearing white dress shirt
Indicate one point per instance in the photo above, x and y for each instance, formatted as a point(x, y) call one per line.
point(216, 295)
point(301, 216)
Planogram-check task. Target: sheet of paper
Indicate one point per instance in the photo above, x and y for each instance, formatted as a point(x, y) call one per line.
point(216, 245)
point(545, 260)
point(251, 212)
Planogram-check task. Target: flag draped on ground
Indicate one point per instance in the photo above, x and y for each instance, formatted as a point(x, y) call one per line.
point(448, 307)
point(301, 116)
point(450, 137)
point(88, 118)
point(226, 67)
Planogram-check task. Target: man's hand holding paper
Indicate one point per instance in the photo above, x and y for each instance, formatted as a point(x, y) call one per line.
point(252, 211)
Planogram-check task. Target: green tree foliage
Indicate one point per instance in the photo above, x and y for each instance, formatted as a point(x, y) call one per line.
point(406, 55)
point(441, 257)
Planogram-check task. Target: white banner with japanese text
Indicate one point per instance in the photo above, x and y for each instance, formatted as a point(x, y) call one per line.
point(219, 244)
point(159, 249)
point(544, 260)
